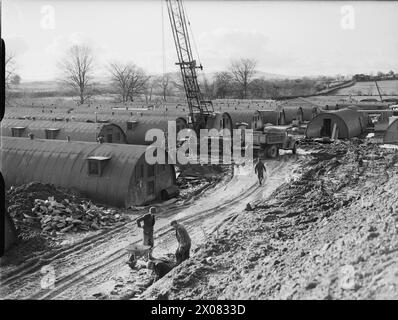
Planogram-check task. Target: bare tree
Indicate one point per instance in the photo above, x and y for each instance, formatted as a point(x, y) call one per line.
point(77, 68)
point(129, 80)
point(11, 78)
point(243, 71)
point(164, 83)
point(10, 68)
point(178, 83)
point(223, 83)
point(149, 88)
point(120, 75)
point(207, 88)
point(138, 82)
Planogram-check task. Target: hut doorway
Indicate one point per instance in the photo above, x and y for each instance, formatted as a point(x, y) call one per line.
point(326, 130)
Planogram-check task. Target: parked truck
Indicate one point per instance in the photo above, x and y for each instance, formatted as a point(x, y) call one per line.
point(270, 140)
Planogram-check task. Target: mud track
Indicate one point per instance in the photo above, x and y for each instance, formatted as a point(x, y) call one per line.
point(98, 258)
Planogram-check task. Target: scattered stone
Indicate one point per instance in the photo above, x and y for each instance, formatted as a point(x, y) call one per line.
point(347, 278)
point(372, 235)
point(311, 285)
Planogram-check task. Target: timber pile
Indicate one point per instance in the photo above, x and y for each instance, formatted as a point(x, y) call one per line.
point(44, 208)
point(68, 216)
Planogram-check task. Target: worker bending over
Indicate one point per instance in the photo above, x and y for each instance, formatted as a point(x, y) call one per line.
point(184, 242)
point(149, 222)
point(160, 268)
point(260, 169)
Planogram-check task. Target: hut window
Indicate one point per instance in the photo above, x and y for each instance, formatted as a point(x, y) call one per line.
point(93, 168)
point(150, 187)
point(109, 137)
point(96, 165)
point(118, 136)
point(17, 131)
point(51, 133)
point(131, 124)
point(151, 170)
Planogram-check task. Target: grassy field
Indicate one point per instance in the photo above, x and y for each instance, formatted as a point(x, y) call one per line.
point(387, 87)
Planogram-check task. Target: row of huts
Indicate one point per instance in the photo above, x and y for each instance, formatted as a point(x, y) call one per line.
point(66, 153)
point(346, 122)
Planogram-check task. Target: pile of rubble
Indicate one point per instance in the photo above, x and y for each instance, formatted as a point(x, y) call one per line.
point(37, 207)
point(67, 216)
point(193, 179)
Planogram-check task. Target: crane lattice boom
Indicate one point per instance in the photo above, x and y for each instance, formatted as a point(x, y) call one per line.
point(199, 109)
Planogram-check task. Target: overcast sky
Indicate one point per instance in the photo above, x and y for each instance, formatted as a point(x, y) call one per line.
point(288, 38)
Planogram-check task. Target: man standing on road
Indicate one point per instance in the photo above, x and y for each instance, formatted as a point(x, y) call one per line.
point(184, 242)
point(260, 169)
point(149, 222)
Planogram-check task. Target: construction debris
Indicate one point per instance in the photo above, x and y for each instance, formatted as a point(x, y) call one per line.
point(48, 209)
point(68, 216)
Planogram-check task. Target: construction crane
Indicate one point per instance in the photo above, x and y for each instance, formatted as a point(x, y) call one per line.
point(199, 109)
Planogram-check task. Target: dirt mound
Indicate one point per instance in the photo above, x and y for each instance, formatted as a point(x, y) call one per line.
point(331, 233)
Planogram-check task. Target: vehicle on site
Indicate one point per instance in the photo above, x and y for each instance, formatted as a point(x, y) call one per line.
point(268, 142)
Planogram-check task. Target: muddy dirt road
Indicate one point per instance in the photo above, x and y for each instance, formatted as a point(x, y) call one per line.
point(96, 268)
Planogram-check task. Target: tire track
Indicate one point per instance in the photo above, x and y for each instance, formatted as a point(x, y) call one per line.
point(88, 272)
point(75, 277)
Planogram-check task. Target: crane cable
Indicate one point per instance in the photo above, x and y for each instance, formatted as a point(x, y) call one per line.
point(192, 34)
point(164, 66)
point(163, 49)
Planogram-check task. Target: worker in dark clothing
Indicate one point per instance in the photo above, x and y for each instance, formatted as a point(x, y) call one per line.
point(184, 242)
point(149, 222)
point(260, 169)
point(160, 268)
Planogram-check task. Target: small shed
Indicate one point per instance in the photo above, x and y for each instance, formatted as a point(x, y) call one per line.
point(344, 123)
point(114, 174)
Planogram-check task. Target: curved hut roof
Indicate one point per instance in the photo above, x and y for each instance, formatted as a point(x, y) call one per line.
point(241, 116)
point(292, 113)
point(269, 116)
point(310, 112)
point(77, 131)
point(349, 123)
point(137, 127)
point(65, 164)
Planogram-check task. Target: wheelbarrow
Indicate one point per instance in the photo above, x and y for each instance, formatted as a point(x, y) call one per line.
point(135, 252)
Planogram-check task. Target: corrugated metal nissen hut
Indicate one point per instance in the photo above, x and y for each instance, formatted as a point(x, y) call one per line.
point(136, 128)
point(114, 174)
point(59, 130)
point(263, 117)
point(344, 123)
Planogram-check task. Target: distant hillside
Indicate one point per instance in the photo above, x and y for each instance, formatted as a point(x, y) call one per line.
point(387, 87)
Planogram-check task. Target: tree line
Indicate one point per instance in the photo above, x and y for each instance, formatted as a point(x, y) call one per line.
point(240, 80)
